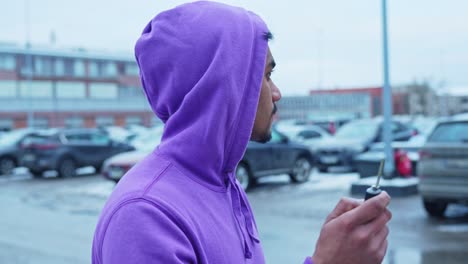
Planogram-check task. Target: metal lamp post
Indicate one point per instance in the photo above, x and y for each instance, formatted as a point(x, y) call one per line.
point(387, 99)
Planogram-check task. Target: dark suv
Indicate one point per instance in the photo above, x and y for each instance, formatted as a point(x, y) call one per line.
point(66, 150)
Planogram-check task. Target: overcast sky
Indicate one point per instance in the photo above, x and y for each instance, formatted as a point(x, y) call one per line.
point(318, 43)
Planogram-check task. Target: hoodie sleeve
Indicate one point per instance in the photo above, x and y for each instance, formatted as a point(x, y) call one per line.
point(140, 232)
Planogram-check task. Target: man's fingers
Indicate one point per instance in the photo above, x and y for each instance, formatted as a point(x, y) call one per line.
point(378, 246)
point(382, 251)
point(379, 223)
point(343, 206)
point(369, 210)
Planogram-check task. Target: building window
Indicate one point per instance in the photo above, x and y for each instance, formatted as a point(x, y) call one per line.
point(69, 67)
point(102, 69)
point(40, 122)
point(103, 90)
point(130, 92)
point(74, 122)
point(79, 68)
point(109, 69)
point(35, 89)
point(42, 66)
point(133, 120)
point(70, 90)
point(7, 62)
point(8, 89)
point(102, 121)
point(93, 69)
point(59, 67)
point(131, 69)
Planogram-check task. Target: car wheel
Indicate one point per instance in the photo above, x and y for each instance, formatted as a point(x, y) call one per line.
point(301, 170)
point(243, 176)
point(67, 168)
point(6, 166)
point(435, 208)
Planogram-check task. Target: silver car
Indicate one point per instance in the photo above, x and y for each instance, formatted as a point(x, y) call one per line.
point(443, 166)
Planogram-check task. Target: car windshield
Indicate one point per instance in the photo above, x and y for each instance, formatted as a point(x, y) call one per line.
point(357, 129)
point(12, 138)
point(450, 133)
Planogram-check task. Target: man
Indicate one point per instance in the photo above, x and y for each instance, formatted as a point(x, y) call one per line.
point(206, 70)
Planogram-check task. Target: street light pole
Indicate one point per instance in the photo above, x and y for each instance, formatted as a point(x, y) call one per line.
point(387, 99)
point(29, 67)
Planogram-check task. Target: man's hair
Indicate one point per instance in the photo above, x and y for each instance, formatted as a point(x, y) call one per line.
point(268, 36)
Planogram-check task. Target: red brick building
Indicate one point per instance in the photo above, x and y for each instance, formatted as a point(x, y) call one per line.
point(69, 88)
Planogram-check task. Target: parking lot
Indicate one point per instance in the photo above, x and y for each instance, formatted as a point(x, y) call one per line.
point(52, 220)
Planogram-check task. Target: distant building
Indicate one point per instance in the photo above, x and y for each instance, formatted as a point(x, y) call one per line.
point(322, 106)
point(69, 88)
point(413, 99)
point(453, 100)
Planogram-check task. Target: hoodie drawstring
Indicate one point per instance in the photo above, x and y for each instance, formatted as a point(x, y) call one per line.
point(240, 206)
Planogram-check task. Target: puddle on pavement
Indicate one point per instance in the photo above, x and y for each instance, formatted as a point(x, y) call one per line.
point(409, 256)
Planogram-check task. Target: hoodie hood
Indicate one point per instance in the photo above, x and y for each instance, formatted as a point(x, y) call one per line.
point(201, 67)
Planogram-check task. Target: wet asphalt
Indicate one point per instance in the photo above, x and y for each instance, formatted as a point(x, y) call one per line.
point(51, 220)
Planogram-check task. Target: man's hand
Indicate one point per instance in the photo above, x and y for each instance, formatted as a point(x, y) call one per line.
point(355, 232)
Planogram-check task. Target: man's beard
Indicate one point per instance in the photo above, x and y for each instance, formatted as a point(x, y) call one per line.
point(265, 137)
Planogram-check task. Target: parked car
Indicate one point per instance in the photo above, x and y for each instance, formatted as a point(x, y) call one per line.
point(406, 152)
point(10, 149)
point(117, 133)
point(308, 135)
point(354, 138)
point(68, 149)
point(279, 156)
point(330, 124)
point(443, 166)
point(368, 163)
point(148, 139)
point(116, 166)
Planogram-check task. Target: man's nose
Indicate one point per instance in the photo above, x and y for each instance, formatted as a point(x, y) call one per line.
point(275, 93)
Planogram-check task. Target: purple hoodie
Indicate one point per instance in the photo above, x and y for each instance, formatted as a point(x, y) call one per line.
point(201, 66)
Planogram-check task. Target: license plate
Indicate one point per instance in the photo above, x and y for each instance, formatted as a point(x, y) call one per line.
point(329, 160)
point(29, 157)
point(116, 173)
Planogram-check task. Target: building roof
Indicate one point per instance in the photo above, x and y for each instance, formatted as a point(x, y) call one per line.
point(67, 52)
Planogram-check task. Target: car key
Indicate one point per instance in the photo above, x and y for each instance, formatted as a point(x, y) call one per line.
point(375, 189)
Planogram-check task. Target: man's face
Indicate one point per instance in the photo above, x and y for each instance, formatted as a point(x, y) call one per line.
point(269, 95)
